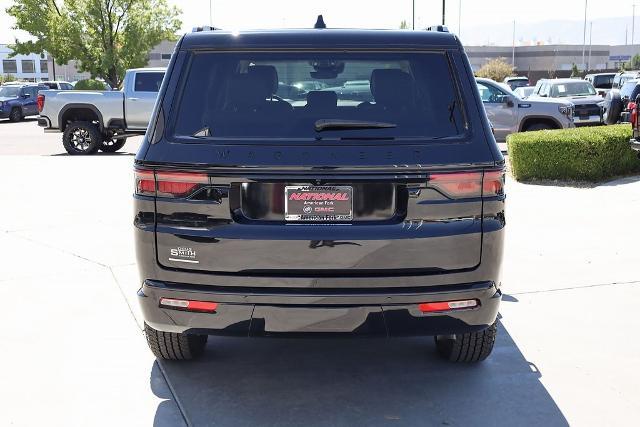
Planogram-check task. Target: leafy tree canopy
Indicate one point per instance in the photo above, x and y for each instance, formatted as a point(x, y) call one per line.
point(496, 69)
point(105, 36)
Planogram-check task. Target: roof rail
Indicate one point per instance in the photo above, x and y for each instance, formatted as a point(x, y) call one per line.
point(438, 28)
point(204, 28)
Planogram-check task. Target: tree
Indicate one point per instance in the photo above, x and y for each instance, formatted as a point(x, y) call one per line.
point(105, 36)
point(6, 78)
point(574, 71)
point(634, 63)
point(404, 25)
point(495, 69)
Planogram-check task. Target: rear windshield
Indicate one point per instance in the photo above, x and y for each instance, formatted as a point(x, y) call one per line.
point(311, 95)
point(603, 82)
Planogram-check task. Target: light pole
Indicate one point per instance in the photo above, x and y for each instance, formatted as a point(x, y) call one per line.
point(513, 46)
point(633, 21)
point(584, 32)
point(459, 15)
point(210, 13)
point(443, 5)
point(413, 16)
point(590, 35)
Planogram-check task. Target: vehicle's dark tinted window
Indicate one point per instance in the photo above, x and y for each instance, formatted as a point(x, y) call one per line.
point(284, 95)
point(603, 82)
point(51, 85)
point(148, 82)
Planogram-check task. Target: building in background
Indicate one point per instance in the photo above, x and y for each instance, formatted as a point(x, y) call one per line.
point(548, 61)
point(31, 68)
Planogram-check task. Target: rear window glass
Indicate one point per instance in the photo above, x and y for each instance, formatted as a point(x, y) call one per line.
point(287, 94)
point(603, 82)
point(148, 82)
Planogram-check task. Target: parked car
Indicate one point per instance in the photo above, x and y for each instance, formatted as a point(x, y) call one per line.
point(57, 85)
point(508, 113)
point(621, 77)
point(516, 81)
point(18, 100)
point(257, 217)
point(587, 103)
point(617, 102)
point(308, 85)
point(101, 120)
point(524, 91)
point(602, 82)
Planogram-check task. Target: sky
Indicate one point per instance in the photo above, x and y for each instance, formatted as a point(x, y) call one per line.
point(482, 22)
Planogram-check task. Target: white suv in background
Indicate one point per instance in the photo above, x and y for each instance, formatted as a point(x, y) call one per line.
point(508, 113)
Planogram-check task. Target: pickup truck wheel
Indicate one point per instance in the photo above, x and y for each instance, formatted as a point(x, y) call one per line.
point(174, 346)
point(81, 138)
point(470, 347)
point(15, 115)
point(112, 145)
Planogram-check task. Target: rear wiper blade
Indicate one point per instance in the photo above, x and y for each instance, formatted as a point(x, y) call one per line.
point(334, 124)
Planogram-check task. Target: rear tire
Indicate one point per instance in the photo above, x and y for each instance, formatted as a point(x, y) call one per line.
point(80, 138)
point(15, 115)
point(112, 145)
point(174, 346)
point(470, 348)
point(537, 126)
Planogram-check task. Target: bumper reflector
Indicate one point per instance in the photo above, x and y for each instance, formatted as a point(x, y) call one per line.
point(189, 305)
point(429, 307)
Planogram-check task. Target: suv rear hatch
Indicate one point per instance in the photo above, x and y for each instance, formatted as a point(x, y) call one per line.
point(261, 176)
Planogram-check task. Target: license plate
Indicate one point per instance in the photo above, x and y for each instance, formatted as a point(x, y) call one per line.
point(318, 203)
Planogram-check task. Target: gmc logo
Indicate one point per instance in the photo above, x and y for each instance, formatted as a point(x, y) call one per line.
point(319, 196)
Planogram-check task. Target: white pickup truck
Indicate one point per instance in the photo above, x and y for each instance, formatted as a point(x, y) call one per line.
point(93, 120)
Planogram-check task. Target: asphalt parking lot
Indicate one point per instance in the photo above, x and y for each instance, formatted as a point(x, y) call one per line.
point(73, 353)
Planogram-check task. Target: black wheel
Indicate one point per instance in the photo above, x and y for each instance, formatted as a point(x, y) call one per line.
point(112, 145)
point(15, 115)
point(81, 138)
point(471, 347)
point(612, 107)
point(173, 346)
point(537, 126)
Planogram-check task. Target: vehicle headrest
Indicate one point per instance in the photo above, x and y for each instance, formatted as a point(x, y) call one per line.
point(268, 75)
point(245, 90)
point(322, 99)
point(391, 87)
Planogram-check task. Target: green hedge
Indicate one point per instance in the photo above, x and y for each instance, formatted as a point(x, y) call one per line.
point(580, 154)
point(89, 84)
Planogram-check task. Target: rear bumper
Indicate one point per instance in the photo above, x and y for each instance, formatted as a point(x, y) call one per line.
point(278, 311)
point(44, 122)
point(635, 144)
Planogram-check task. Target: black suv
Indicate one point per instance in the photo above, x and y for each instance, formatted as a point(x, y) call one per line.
point(376, 214)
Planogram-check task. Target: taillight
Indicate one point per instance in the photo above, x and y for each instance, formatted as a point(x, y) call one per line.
point(431, 307)
point(168, 184)
point(189, 305)
point(40, 102)
point(632, 106)
point(457, 185)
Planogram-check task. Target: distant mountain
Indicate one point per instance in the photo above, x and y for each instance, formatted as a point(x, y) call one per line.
point(607, 31)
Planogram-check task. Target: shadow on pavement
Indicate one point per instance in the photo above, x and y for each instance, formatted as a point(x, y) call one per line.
point(26, 119)
point(99, 153)
point(278, 381)
point(167, 413)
